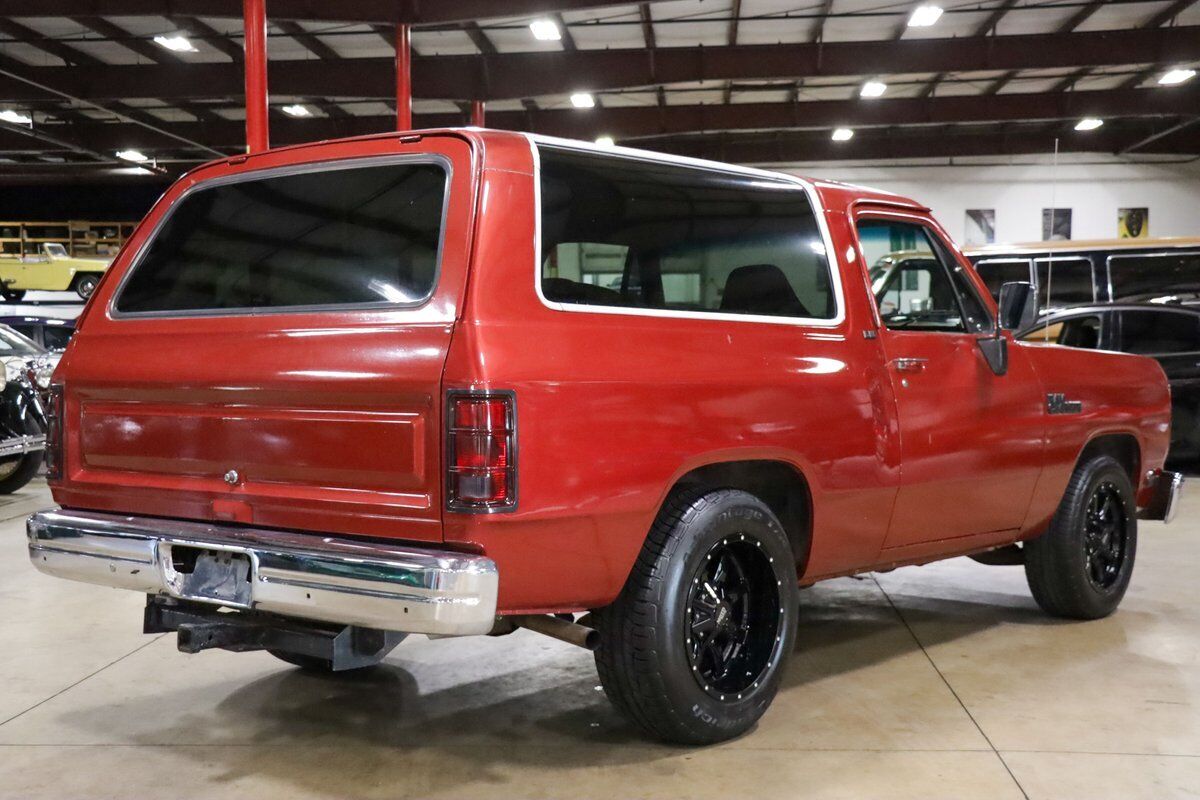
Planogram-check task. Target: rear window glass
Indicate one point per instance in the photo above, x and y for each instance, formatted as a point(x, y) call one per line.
point(1064, 282)
point(641, 234)
point(1159, 332)
point(997, 272)
point(367, 234)
point(1155, 277)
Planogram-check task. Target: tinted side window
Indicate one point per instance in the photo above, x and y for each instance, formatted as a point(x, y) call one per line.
point(1082, 332)
point(1149, 277)
point(917, 283)
point(55, 338)
point(363, 234)
point(1064, 282)
point(1159, 332)
point(640, 234)
point(999, 271)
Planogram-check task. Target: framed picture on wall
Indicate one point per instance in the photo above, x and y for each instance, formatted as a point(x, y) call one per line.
point(1133, 223)
point(981, 226)
point(1056, 223)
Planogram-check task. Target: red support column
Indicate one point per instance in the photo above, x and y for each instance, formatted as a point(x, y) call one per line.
point(477, 113)
point(254, 18)
point(403, 78)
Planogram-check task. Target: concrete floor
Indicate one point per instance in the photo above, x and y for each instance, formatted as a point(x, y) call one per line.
point(942, 681)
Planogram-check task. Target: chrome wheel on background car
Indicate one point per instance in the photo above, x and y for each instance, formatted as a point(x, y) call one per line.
point(86, 285)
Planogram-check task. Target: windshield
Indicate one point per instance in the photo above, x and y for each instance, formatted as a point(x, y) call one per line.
point(14, 344)
point(56, 250)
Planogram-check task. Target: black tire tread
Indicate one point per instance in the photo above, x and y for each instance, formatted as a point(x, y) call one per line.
point(1056, 593)
point(23, 474)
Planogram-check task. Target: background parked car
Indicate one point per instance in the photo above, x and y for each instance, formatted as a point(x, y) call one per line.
point(1102, 271)
point(22, 414)
point(51, 333)
point(1169, 334)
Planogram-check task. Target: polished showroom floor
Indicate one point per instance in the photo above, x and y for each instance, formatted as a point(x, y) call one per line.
point(942, 681)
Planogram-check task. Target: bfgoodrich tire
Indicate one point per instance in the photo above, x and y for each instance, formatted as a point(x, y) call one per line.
point(694, 647)
point(1081, 567)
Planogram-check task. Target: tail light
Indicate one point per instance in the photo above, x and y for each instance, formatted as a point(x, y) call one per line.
point(481, 451)
point(53, 457)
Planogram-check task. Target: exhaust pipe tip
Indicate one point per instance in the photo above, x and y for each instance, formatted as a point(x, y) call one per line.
point(559, 628)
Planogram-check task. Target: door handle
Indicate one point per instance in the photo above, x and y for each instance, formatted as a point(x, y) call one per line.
point(909, 364)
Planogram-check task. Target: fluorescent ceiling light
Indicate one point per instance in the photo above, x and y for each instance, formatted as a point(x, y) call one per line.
point(924, 16)
point(1088, 124)
point(843, 135)
point(1176, 76)
point(297, 111)
point(135, 156)
point(583, 100)
point(872, 89)
point(545, 30)
point(176, 43)
point(15, 117)
point(605, 141)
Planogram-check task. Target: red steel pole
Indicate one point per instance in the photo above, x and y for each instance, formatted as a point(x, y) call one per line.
point(403, 78)
point(254, 17)
point(477, 113)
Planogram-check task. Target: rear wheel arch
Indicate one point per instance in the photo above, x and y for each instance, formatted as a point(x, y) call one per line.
point(1124, 447)
point(779, 484)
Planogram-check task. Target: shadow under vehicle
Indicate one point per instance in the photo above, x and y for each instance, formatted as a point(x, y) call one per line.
point(1069, 273)
point(1168, 334)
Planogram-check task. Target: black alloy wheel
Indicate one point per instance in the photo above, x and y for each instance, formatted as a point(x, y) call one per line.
point(1105, 538)
point(733, 618)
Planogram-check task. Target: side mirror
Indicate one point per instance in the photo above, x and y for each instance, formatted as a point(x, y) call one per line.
point(1018, 306)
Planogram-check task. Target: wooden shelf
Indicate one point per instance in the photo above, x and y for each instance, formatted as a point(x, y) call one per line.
point(79, 237)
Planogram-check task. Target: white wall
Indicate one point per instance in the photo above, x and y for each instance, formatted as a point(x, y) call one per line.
point(1018, 193)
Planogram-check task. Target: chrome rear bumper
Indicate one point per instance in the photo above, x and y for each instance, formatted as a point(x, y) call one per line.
point(301, 575)
point(1168, 488)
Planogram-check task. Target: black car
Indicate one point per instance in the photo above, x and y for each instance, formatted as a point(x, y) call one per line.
point(52, 333)
point(1117, 271)
point(1169, 334)
point(22, 416)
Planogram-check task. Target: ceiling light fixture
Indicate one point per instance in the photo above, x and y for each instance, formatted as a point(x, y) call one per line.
point(924, 16)
point(872, 89)
point(843, 135)
point(15, 117)
point(136, 156)
point(176, 43)
point(583, 100)
point(605, 141)
point(297, 110)
point(1176, 76)
point(545, 30)
point(1088, 124)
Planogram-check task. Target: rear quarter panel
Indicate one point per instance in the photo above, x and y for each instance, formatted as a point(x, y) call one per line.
point(614, 408)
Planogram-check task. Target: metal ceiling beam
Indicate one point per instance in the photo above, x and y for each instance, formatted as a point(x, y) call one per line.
point(1068, 26)
point(986, 28)
point(645, 123)
point(516, 75)
point(415, 12)
point(796, 146)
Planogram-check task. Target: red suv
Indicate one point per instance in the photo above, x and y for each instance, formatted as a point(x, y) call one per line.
point(461, 381)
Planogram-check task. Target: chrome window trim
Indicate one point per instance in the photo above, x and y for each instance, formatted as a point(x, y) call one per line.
point(283, 171)
point(1108, 262)
point(831, 257)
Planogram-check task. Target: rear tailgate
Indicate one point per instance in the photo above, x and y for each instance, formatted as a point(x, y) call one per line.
point(275, 355)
